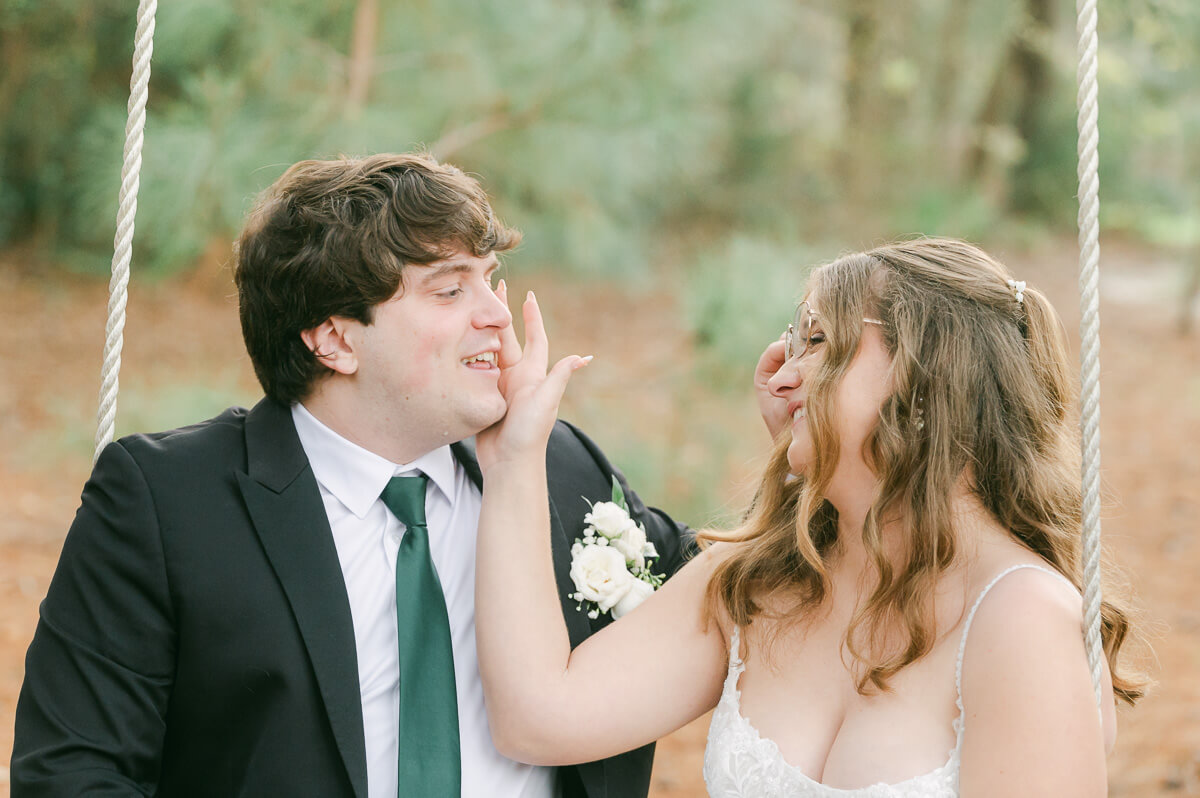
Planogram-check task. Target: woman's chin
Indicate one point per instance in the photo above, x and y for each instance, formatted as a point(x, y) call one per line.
point(797, 461)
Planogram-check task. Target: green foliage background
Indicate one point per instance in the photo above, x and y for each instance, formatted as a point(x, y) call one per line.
point(616, 134)
point(711, 145)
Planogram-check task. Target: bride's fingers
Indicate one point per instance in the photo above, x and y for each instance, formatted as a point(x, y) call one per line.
point(549, 394)
point(772, 359)
point(537, 347)
point(510, 348)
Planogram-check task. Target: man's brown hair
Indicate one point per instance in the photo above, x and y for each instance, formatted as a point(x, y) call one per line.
point(331, 238)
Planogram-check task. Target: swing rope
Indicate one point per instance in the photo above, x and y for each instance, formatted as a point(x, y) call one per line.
point(1089, 275)
point(1088, 170)
point(131, 168)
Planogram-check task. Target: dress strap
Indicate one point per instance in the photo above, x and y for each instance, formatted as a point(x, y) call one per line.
point(962, 644)
point(735, 648)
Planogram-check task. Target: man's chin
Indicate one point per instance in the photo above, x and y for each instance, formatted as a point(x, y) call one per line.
point(484, 417)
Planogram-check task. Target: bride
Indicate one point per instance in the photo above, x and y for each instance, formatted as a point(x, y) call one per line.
point(899, 613)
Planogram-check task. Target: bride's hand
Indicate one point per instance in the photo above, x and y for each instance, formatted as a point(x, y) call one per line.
point(532, 394)
point(773, 409)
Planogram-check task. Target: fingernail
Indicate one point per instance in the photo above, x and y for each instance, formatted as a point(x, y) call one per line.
point(587, 358)
point(529, 297)
point(501, 288)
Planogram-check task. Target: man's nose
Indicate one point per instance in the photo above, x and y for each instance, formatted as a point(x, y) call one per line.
point(492, 312)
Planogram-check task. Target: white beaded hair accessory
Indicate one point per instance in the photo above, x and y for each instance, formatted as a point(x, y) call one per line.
point(1018, 289)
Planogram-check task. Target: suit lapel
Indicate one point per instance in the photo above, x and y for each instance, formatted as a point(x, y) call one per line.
point(577, 624)
point(285, 505)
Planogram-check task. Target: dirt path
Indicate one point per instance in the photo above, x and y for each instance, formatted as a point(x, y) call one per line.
point(184, 333)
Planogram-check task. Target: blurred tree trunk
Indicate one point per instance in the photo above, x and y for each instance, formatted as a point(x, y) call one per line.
point(1015, 102)
point(858, 156)
point(1191, 289)
point(362, 57)
point(1033, 67)
point(946, 128)
point(13, 53)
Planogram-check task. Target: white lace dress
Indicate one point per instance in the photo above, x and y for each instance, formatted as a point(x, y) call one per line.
point(739, 763)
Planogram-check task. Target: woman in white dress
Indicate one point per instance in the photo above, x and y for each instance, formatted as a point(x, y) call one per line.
point(898, 615)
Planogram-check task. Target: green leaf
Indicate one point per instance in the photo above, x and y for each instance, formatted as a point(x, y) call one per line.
point(618, 496)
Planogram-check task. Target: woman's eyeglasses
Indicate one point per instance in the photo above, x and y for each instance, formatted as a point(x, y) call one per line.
point(799, 333)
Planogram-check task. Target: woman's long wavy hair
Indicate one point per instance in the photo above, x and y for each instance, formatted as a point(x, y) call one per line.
point(989, 379)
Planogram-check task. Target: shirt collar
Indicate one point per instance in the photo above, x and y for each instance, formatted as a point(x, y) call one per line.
point(356, 476)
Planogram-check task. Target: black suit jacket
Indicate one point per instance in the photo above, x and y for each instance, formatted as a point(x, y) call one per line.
point(196, 639)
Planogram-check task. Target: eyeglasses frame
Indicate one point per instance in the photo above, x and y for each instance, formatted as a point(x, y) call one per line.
point(789, 339)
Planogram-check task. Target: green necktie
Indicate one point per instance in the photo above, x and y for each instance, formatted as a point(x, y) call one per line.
point(429, 748)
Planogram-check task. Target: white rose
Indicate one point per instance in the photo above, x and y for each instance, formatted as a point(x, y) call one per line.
point(608, 519)
point(600, 575)
point(632, 544)
point(638, 592)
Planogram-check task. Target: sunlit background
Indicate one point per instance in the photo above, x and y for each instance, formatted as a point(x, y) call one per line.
point(676, 167)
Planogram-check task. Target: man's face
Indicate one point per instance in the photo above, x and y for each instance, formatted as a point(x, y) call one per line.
point(429, 364)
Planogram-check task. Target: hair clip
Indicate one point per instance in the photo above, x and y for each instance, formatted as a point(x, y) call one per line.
point(1018, 289)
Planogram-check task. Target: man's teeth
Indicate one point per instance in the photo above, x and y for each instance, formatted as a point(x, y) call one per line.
point(798, 414)
point(486, 357)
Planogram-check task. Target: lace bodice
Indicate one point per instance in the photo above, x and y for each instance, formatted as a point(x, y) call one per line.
point(740, 763)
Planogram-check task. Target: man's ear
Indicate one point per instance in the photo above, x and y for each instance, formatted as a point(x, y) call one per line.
point(331, 345)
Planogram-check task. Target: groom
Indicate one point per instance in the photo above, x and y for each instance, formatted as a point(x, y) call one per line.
point(280, 601)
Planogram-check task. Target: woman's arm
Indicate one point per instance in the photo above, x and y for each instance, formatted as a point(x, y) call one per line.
point(631, 683)
point(1032, 725)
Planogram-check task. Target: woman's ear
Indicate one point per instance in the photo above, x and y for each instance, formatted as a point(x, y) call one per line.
point(330, 344)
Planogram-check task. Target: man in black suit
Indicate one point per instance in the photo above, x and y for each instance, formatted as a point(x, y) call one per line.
point(234, 610)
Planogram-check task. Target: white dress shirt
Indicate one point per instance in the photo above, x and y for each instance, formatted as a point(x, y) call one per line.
point(367, 537)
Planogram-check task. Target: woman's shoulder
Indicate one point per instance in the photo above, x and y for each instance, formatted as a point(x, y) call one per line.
point(715, 554)
point(1020, 600)
point(1022, 582)
point(1022, 656)
point(1023, 630)
point(712, 556)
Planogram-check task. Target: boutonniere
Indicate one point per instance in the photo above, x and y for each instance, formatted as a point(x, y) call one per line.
point(610, 563)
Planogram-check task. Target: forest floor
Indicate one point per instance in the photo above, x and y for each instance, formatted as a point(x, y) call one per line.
point(182, 342)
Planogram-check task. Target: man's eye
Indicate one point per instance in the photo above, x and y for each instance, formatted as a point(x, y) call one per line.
point(451, 294)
